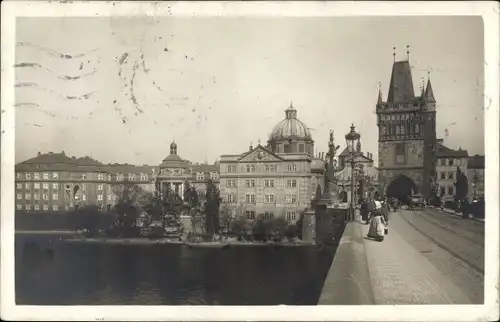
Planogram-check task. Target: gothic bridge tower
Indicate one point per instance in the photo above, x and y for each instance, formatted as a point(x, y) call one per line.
point(407, 135)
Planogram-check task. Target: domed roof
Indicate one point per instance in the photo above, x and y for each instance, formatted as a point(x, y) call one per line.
point(290, 127)
point(173, 160)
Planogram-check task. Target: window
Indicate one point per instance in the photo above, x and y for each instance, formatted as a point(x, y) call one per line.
point(231, 183)
point(450, 175)
point(84, 197)
point(443, 162)
point(400, 153)
point(110, 196)
point(19, 196)
point(27, 175)
point(250, 214)
point(384, 130)
point(19, 186)
point(131, 176)
point(37, 176)
point(144, 176)
point(231, 168)
point(250, 183)
point(417, 128)
point(99, 197)
point(441, 191)
point(19, 176)
point(119, 177)
point(45, 176)
point(214, 175)
point(100, 187)
point(100, 176)
point(292, 167)
point(290, 198)
point(45, 186)
point(84, 176)
point(443, 175)
point(402, 129)
point(397, 130)
point(269, 183)
point(269, 198)
point(28, 196)
point(250, 167)
point(109, 177)
point(37, 207)
point(55, 175)
point(36, 196)
point(45, 207)
point(55, 196)
point(37, 185)
point(292, 183)
point(199, 176)
point(270, 168)
point(231, 198)
point(28, 207)
point(450, 162)
point(55, 207)
point(250, 198)
point(268, 215)
point(301, 147)
point(55, 186)
point(290, 215)
point(450, 190)
point(19, 207)
point(84, 187)
point(27, 186)
point(45, 196)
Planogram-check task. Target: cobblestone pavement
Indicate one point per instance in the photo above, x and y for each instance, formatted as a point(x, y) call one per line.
point(468, 226)
point(400, 274)
point(464, 239)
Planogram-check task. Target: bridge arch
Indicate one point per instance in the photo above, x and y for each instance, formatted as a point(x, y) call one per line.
point(400, 187)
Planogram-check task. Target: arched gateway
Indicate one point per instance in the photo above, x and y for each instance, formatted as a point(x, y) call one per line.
point(400, 188)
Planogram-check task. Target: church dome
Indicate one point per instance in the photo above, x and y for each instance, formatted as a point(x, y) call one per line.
point(290, 128)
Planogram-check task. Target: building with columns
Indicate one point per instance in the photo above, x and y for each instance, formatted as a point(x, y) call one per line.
point(278, 179)
point(55, 182)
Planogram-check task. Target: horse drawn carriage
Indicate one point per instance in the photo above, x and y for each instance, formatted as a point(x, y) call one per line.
point(416, 201)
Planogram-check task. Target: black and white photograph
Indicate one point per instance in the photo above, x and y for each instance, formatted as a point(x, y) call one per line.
point(250, 161)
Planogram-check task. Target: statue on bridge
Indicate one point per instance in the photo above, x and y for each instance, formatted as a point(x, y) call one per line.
point(330, 191)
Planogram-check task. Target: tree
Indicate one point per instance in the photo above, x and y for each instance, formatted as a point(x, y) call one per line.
point(131, 199)
point(226, 216)
point(461, 186)
point(212, 204)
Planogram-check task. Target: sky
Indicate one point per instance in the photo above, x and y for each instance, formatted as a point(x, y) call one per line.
point(122, 89)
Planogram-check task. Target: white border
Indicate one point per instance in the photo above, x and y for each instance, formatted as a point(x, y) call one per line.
point(490, 311)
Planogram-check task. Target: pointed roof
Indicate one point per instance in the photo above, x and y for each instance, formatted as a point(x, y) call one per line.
point(429, 94)
point(261, 147)
point(401, 87)
point(379, 98)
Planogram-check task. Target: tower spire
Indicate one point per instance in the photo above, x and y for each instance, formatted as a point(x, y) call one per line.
point(379, 98)
point(408, 52)
point(393, 54)
point(429, 93)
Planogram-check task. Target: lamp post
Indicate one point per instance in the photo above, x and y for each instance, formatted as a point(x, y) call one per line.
point(351, 138)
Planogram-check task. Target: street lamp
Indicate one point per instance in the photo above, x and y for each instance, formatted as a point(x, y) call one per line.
point(351, 139)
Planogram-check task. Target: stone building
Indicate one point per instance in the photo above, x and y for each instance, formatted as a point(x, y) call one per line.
point(54, 182)
point(446, 169)
point(475, 174)
point(278, 179)
point(407, 135)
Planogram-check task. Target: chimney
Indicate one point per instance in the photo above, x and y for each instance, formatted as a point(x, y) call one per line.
point(39, 153)
point(63, 154)
point(73, 158)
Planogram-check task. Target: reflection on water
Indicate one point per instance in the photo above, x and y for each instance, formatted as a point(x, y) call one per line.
point(58, 273)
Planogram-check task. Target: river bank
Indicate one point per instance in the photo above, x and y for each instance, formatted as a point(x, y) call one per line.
point(166, 241)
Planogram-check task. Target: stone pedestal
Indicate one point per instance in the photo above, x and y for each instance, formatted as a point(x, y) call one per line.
point(309, 226)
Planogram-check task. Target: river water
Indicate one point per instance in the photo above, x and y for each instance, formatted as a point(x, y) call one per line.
point(60, 273)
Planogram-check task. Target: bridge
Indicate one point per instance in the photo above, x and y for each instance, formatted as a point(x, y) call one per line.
point(428, 257)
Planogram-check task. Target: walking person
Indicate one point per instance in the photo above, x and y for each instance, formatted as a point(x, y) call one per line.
point(377, 225)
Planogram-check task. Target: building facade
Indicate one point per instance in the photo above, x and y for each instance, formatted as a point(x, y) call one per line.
point(276, 180)
point(407, 135)
point(475, 174)
point(448, 160)
point(54, 182)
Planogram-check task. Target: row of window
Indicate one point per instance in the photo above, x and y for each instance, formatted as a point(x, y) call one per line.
point(268, 183)
point(268, 198)
point(450, 162)
point(446, 175)
point(55, 196)
point(267, 168)
point(450, 191)
point(400, 129)
point(37, 207)
point(55, 186)
point(399, 117)
point(250, 214)
point(100, 176)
